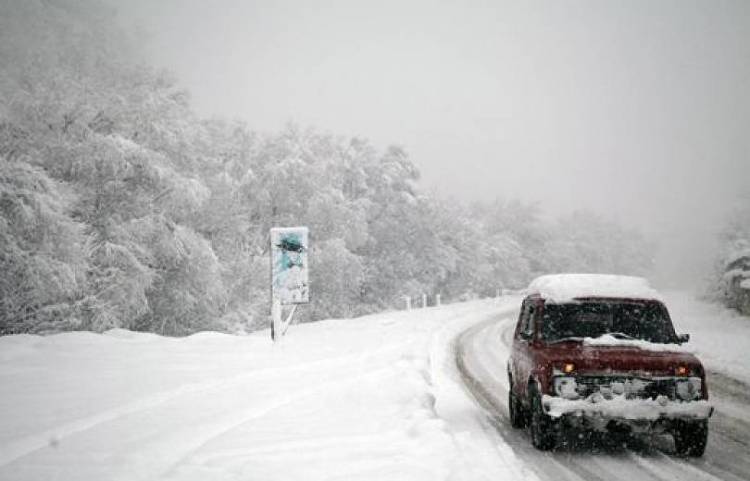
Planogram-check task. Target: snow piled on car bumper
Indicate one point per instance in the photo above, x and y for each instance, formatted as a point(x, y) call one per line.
point(630, 409)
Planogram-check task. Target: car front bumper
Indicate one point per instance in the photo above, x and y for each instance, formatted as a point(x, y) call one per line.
point(618, 412)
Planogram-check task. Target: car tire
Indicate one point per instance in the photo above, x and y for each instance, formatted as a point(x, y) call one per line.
point(516, 411)
point(543, 434)
point(690, 438)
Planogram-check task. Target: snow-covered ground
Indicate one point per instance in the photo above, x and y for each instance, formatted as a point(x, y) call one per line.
point(719, 336)
point(370, 398)
point(377, 397)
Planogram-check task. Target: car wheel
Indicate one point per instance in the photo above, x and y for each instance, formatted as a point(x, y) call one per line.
point(690, 438)
point(516, 411)
point(543, 434)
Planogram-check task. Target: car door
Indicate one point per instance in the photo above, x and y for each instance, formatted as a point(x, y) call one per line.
point(522, 355)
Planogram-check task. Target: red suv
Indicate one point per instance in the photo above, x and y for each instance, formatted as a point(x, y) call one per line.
point(599, 352)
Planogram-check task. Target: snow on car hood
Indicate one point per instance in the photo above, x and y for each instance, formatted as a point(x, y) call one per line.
point(609, 340)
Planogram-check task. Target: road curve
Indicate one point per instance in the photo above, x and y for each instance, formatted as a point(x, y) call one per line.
point(481, 355)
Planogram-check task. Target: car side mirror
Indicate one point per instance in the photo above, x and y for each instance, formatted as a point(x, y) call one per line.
point(683, 338)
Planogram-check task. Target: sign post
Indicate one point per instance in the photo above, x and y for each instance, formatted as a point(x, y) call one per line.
point(289, 275)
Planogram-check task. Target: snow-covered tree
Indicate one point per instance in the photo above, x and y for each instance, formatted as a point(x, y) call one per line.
point(42, 252)
point(730, 280)
point(123, 208)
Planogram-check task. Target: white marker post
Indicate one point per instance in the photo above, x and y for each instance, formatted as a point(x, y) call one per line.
point(408, 303)
point(437, 300)
point(289, 275)
point(424, 300)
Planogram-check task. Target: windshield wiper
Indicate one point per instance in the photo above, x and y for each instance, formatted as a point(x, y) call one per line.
point(563, 339)
point(621, 335)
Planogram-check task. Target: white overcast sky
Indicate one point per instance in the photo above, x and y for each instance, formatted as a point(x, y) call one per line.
point(635, 109)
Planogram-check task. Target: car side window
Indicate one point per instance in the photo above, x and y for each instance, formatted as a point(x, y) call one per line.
point(521, 319)
point(528, 327)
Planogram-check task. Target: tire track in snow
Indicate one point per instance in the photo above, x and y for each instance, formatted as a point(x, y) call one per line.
point(664, 467)
point(452, 401)
point(342, 380)
point(26, 445)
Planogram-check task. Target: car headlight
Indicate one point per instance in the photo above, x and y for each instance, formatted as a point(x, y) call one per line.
point(565, 387)
point(688, 389)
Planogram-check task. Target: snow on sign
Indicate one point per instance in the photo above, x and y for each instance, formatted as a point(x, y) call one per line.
point(289, 267)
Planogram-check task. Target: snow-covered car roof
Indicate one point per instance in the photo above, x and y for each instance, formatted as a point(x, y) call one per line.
point(568, 287)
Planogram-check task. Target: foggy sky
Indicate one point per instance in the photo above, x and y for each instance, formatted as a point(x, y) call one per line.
point(637, 110)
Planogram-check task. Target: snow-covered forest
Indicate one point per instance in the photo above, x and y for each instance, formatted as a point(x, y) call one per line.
point(121, 207)
point(730, 282)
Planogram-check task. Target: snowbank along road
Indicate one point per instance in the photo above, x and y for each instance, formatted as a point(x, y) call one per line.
point(482, 354)
point(375, 398)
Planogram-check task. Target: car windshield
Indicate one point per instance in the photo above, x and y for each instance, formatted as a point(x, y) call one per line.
point(647, 321)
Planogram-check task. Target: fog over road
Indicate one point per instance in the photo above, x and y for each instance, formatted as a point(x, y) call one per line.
point(481, 355)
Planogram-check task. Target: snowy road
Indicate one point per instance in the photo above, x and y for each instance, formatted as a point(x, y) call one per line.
point(481, 356)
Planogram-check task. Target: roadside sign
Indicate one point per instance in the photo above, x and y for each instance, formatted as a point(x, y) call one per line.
point(289, 265)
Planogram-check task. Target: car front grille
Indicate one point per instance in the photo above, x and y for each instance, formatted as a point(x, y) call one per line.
point(631, 387)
